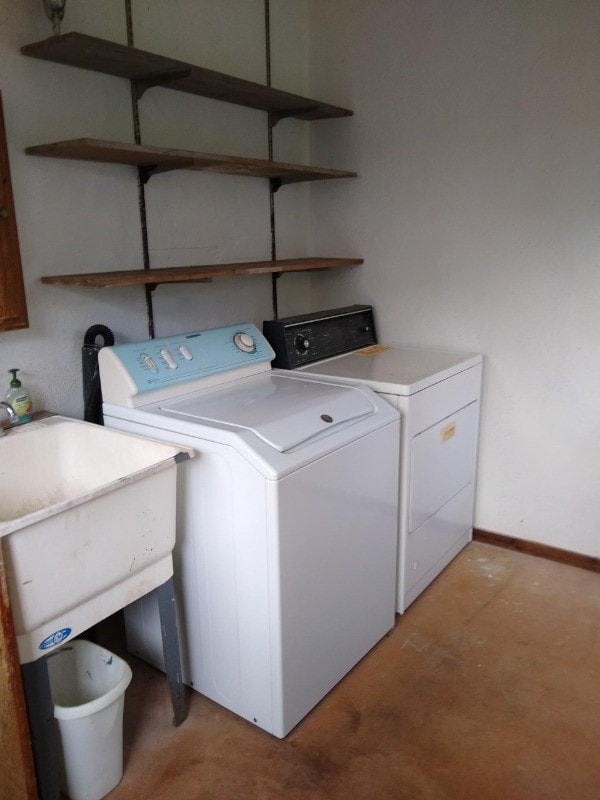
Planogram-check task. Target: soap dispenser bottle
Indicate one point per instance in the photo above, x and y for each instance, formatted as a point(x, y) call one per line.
point(18, 397)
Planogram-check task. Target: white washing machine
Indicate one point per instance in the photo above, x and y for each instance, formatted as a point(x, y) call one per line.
point(438, 395)
point(286, 535)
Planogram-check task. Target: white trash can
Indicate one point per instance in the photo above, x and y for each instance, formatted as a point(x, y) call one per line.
point(88, 686)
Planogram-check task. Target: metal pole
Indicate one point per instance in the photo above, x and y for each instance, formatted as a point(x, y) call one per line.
point(141, 182)
point(272, 186)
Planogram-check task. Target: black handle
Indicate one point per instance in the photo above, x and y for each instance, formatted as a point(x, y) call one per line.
point(92, 392)
point(94, 331)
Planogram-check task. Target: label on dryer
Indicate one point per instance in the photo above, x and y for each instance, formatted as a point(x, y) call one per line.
point(447, 433)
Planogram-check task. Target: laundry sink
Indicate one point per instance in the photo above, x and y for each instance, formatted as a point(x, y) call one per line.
point(87, 525)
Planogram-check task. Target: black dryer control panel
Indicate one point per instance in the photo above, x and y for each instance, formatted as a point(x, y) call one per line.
point(307, 338)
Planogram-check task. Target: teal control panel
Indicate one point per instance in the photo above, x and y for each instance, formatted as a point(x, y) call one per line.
point(176, 359)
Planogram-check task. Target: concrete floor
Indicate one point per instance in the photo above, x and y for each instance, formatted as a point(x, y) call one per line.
point(487, 688)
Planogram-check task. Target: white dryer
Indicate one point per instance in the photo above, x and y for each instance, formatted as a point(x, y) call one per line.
point(286, 535)
point(438, 395)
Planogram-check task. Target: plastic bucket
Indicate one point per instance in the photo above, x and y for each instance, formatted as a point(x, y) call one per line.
point(88, 686)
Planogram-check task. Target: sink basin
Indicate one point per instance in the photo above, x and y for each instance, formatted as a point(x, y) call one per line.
point(87, 525)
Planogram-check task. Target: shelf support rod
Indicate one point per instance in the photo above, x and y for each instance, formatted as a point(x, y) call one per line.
point(274, 183)
point(141, 182)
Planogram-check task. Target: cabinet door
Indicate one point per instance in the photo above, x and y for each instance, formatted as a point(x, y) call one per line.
point(13, 309)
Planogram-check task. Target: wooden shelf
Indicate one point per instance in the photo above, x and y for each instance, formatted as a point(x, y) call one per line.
point(161, 159)
point(149, 69)
point(146, 70)
point(154, 277)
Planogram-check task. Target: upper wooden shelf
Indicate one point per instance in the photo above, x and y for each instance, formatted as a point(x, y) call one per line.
point(154, 277)
point(161, 159)
point(149, 69)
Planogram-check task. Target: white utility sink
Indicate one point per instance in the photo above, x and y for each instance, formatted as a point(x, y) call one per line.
point(87, 525)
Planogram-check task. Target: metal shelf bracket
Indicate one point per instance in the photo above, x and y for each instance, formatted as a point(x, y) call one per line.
point(159, 79)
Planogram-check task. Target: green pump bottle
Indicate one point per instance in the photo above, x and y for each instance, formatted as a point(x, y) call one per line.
point(18, 397)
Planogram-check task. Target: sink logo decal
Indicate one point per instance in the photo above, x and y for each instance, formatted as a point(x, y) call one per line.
point(55, 638)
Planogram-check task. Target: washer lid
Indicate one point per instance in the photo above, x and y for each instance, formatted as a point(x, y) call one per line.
point(285, 412)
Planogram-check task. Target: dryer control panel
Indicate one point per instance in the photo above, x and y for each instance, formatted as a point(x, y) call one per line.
point(128, 370)
point(307, 338)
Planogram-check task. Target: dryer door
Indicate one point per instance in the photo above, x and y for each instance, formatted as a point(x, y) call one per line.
point(442, 462)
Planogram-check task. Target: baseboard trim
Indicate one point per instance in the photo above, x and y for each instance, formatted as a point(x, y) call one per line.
point(535, 549)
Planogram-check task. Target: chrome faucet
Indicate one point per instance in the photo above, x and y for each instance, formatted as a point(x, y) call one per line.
point(10, 414)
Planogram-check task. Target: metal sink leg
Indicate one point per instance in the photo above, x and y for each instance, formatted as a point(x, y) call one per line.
point(43, 728)
point(171, 650)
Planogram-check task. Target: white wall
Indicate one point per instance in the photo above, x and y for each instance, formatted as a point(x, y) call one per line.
point(476, 134)
point(83, 217)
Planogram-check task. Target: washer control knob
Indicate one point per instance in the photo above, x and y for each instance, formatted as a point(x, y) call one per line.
point(170, 361)
point(244, 342)
point(301, 343)
point(149, 363)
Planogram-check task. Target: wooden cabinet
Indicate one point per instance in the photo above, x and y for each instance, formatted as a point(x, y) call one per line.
point(13, 308)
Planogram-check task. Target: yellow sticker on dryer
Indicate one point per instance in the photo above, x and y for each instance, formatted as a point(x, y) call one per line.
point(372, 350)
point(448, 432)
